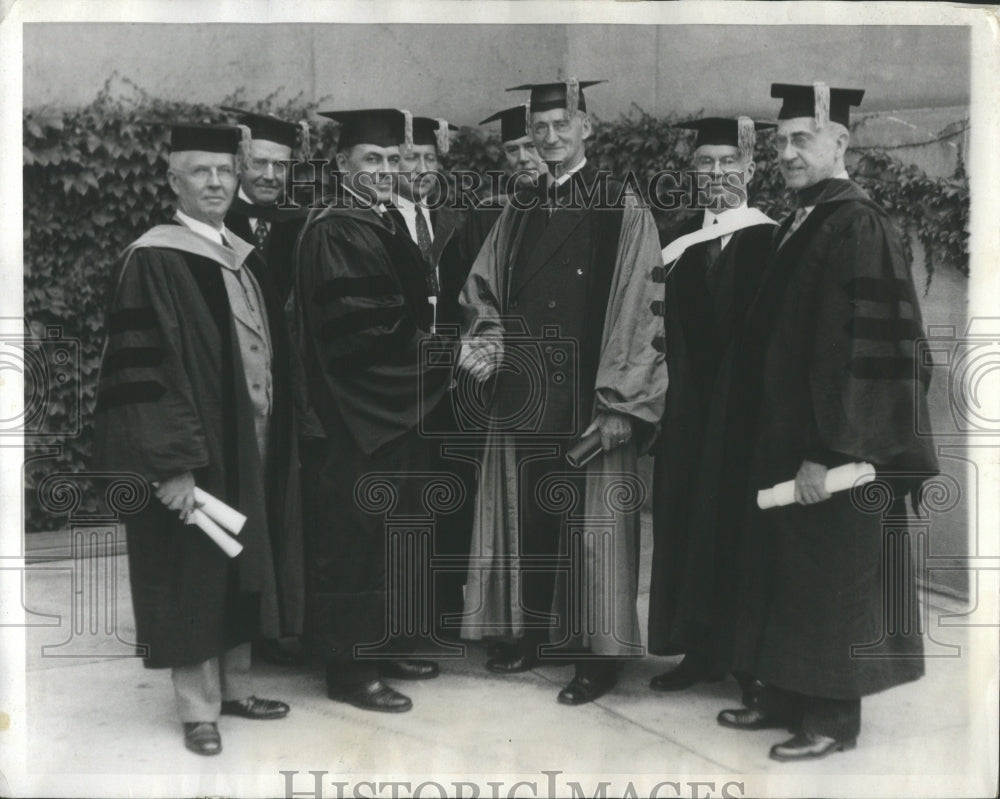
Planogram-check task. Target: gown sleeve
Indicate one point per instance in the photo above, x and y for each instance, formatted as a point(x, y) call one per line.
point(632, 372)
point(481, 299)
point(366, 338)
point(146, 417)
point(866, 379)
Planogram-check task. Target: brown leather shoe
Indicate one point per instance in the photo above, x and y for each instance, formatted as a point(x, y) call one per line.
point(371, 695)
point(409, 669)
point(808, 746)
point(202, 737)
point(256, 709)
point(750, 718)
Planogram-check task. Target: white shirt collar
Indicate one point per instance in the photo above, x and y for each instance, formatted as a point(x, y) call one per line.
point(202, 228)
point(569, 172)
point(379, 207)
point(409, 210)
point(710, 219)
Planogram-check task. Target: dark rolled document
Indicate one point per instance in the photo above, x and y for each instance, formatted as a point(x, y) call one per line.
point(585, 450)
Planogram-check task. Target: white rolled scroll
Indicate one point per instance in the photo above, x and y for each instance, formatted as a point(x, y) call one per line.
point(219, 512)
point(840, 478)
point(226, 543)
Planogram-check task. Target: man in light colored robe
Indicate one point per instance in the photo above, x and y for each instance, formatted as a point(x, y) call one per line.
point(588, 272)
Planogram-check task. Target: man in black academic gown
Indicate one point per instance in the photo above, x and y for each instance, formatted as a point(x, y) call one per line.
point(833, 373)
point(522, 166)
point(421, 210)
point(255, 213)
point(194, 391)
point(711, 274)
point(418, 200)
point(253, 217)
point(362, 298)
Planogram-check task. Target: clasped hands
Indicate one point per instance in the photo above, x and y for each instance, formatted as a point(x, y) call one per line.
point(480, 357)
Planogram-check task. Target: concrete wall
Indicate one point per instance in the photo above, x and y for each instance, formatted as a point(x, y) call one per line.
point(461, 71)
point(934, 139)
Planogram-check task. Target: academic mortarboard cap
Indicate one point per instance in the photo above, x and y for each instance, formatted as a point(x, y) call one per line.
point(513, 122)
point(736, 132)
point(432, 131)
point(383, 127)
point(205, 138)
point(267, 127)
point(817, 100)
point(566, 94)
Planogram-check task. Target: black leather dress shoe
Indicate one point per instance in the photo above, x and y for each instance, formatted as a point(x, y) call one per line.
point(687, 673)
point(372, 695)
point(496, 649)
point(409, 669)
point(272, 651)
point(512, 663)
point(256, 709)
point(807, 746)
point(202, 737)
point(750, 718)
point(586, 688)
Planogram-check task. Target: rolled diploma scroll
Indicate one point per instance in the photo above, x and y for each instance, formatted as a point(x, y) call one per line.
point(218, 511)
point(839, 479)
point(226, 543)
point(585, 450)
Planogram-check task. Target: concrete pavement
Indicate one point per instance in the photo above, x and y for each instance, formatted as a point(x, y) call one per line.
point(95, 713)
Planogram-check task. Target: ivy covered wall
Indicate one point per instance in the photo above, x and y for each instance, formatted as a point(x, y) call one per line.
point(94, 179)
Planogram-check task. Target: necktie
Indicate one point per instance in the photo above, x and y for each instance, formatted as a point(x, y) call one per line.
point(225, 241)
point(714, 246)
point(551, 198)
point(800, 217)
point(423, 232)
point(260, 232)
point(714, 249)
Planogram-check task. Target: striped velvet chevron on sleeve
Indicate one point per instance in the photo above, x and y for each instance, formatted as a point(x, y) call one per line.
point(147, 418)
point(360, 321)
point(361, 303)
point(866, 377)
